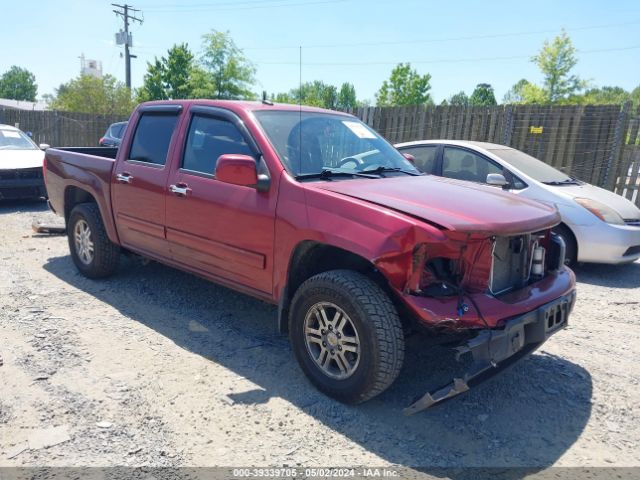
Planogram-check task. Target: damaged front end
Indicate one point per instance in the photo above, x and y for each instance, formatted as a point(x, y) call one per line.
point(504, 295)
point(494, 350)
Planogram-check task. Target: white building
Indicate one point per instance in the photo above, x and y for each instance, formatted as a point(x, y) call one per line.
point(90, 67)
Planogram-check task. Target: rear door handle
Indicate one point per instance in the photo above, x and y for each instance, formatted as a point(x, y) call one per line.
point(180, 189)
point(124, 177)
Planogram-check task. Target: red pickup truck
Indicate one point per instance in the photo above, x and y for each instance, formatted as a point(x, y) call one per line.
point(313, 211)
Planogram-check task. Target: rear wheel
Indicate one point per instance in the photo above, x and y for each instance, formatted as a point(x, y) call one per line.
point(346, 335)
point(91, 250)
point(571, 252)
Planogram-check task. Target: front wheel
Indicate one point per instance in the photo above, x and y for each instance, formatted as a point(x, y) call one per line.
point(346, 335)
point(91, 250)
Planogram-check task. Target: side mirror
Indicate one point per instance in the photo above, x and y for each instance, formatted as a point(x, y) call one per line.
point(497, 179)
point(409, 157)
point(237, 170)
point(44, 146)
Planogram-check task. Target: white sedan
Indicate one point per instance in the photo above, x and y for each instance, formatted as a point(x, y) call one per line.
point(597, 225)
point(20, 165)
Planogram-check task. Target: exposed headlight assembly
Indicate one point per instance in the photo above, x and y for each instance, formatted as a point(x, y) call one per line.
point(600, 210)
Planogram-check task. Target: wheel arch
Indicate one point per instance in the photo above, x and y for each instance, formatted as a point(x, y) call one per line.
point(75, 195)
point(310, 258)
point(574, 239)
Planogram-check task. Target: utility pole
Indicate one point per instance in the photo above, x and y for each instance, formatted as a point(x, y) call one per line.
point(127, 12)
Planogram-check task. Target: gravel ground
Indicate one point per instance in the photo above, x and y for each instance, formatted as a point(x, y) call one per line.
point(155, 367)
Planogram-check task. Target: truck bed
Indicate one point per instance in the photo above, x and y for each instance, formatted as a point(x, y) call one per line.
point(105, 152)
point(88, 169)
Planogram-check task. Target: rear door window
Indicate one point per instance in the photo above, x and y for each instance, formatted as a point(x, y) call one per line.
point(152, 138)
point(208, 138)
point(425, 156)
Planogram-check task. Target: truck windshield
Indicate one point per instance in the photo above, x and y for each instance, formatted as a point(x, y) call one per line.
point(15, 140)
point(321, 144)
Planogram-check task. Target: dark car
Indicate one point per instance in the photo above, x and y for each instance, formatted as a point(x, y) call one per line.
point(113, 135)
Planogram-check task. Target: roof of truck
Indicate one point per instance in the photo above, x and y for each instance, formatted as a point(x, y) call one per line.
point(245, 105)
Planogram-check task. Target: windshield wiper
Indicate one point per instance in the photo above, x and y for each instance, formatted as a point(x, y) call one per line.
point(569, 181)
point(328, 174)
point(380, 170)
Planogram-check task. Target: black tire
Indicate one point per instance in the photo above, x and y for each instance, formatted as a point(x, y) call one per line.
point(106, 254)
point(571, 252)
point(374, 319)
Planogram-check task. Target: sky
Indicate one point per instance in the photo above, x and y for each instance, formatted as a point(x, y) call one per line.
point(460, 44)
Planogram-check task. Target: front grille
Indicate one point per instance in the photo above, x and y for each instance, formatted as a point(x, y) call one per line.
point(632, 222)
point(25, 173)
point(510, 266)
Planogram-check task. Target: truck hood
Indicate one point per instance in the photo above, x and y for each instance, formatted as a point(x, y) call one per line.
point(17, 159)
point(624, 207)
point(451, 204)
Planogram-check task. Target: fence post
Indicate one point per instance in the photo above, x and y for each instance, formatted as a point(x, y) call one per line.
point(613, 159)
point(508, 126)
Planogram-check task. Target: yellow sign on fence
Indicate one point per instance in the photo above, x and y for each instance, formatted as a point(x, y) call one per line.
point(536, 130)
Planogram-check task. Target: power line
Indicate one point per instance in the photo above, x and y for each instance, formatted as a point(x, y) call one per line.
point(433, 40)
point(248, 5)
point(124, 36)
point(448, 60)
point(446, 39)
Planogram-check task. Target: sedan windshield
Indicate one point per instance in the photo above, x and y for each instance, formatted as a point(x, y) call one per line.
point(15, 140)
point(533, 167)
point(322, 145)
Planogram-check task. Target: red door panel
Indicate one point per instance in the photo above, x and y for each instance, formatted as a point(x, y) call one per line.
point(139, 183)
point(215, 228)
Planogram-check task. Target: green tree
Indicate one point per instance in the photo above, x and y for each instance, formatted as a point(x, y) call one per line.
point(179, 67)
point(525, 92)
point(316, 94)
point(232, 74)
point(405, 87)
point(320, 94)
point(347, 97)
point(153, 86)
point(93, 95)
point(556, 59)
point(18, 84)
point(603, 96)
point(635, 97)
point(284, 98)
point(175, 76)
point(483, 96)
point(516, 93)
point(460, 99)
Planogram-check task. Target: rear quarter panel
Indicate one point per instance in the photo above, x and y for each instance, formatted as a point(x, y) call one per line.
point(86, 172)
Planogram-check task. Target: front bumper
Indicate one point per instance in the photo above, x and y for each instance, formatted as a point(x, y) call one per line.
point(17, 184)
point(493, 350)
point(605, 243)
point(442, 312)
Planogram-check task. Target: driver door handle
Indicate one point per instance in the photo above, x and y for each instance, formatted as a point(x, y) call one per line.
point(180, 189)
point(124, 177)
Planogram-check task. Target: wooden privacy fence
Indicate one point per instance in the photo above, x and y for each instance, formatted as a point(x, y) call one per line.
point(60, 129)
point(587, 142)
point(599, 144)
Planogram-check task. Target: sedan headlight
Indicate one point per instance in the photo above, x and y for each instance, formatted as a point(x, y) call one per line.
point(602, 211)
